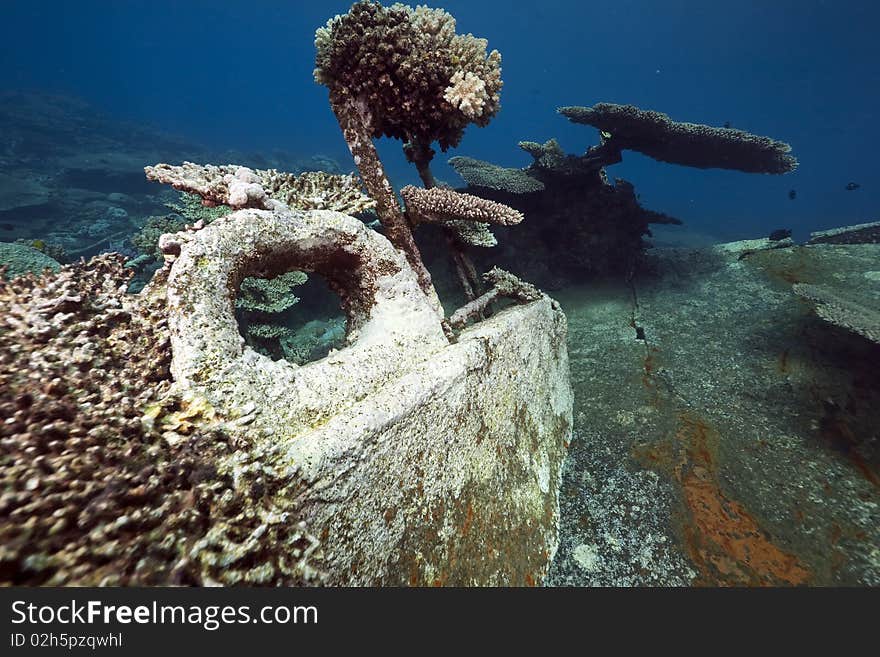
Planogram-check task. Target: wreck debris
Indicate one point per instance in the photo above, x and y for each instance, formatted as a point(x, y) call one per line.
point(834, 306)
point(867, 233)
point(690, 144)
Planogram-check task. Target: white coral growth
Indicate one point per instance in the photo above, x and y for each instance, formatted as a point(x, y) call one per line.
point(467, 92)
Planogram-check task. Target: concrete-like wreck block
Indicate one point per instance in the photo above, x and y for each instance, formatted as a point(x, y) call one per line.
point(417, 461)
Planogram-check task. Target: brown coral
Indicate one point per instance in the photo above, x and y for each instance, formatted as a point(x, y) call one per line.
point(441, 204)
point(421, 81)
point(690, 144)
point(241, 187)
point(105, 478)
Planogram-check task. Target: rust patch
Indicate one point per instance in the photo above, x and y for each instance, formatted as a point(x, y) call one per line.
point(783, 362)
point(835, 430)
point(725, 543)
point(468, 519)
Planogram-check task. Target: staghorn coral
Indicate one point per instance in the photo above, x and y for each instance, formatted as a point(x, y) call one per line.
point(839, 308)
point(440, 204)
point(106, 477)
point(689, 144)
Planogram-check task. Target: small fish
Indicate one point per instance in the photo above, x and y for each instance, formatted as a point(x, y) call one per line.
point(792, 194)
point(7, 226)
point(851, 186)
point(727, 124)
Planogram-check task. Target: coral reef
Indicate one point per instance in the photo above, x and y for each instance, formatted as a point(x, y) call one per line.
point(107, 478)
point(397, 422)
point(146, 240)
point(464, 217)
point(504, 285)
point(18, 259)
point(145, 442)
point(604, 225)
point(192, 210)
point(690, 144)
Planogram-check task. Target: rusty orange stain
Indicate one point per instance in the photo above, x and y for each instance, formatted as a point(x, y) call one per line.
point(725, 543)
point(783, 362)
point(468, 519)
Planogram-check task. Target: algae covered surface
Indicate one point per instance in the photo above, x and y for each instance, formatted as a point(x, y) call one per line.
point(736, 444)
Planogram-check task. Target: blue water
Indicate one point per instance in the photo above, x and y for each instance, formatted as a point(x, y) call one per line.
point(236, 74)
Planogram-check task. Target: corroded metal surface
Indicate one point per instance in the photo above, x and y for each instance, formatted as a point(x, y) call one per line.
point(736, 444)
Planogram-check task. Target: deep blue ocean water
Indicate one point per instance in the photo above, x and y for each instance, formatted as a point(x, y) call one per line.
point(238, 74)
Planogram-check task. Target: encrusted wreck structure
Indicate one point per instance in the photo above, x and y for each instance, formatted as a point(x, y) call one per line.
point(604, 223)
point(150, 444)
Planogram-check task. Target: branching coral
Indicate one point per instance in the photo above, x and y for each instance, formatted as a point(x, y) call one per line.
point(404, 73)
point(689, 144)
point(504, 285)
point(192, 210)
point(263, 304)
point(440, 204)
point(241, 187)
point(599, 224)
point(146, 240)
point(603, 224)
point(418, 79)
